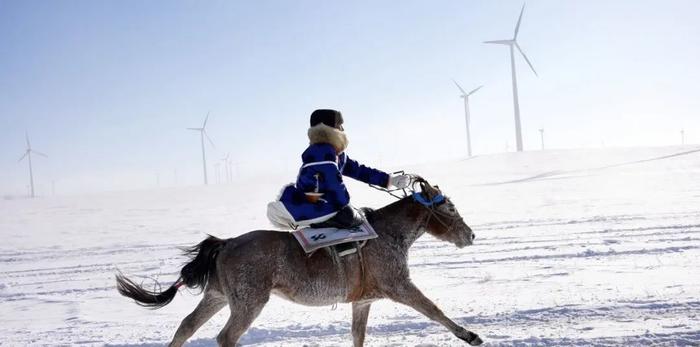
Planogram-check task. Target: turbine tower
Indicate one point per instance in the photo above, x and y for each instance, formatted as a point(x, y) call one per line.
point(467, 117)
point(513, 43)
point(542, 137)
point(217, 166)
point(28, 155)
point(203, 134)
point(683, 137)
point(227, 167)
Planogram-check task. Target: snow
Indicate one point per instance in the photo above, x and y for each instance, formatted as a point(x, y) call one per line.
point(573, 247)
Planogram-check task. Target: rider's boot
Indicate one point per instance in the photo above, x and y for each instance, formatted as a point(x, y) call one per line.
point(346, 218)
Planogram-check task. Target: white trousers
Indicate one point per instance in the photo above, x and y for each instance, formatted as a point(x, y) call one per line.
point(281, 218)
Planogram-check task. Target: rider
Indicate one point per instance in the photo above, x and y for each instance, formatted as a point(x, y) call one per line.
point(319, 198)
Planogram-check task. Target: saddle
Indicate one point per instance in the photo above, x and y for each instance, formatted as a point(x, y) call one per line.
point(313, 239)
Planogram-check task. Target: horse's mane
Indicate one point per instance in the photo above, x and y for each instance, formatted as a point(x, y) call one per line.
point(368, 212)
point(371, 213)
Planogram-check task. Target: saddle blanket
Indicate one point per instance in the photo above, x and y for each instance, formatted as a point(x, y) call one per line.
point(312, 239)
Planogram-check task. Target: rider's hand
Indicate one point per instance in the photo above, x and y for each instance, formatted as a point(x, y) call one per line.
point(399, 181)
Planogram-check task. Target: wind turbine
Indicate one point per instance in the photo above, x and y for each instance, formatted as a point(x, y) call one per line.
point(217, 166)
point(467, 117)
point(28, 155)
point(227, 167)
point(513, 43)
point(203, 134)
point(683, 137)
point(542, 137)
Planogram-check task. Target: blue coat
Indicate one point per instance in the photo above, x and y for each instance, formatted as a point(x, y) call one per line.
point(322, 171)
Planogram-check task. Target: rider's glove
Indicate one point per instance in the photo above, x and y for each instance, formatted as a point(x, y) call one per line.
point(399, 181)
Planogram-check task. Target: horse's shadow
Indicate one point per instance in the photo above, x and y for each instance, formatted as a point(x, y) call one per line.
point(193, 343)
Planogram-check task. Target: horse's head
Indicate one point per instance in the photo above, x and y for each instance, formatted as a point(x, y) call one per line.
point(443, 221)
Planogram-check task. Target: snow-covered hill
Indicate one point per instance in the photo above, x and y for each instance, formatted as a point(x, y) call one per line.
point(576, 247)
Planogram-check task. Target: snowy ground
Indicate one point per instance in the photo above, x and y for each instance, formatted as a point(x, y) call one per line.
point(579, 247)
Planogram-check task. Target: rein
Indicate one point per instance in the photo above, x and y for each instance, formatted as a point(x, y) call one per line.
point(430, 205)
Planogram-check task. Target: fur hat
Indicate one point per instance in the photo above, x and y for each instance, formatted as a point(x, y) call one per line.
point(332, 118)
point(322, 133)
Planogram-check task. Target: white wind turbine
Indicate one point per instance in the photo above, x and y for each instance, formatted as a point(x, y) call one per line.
point(467, 116)
point(513, 43)
point(683, 137)
point(227, 167)
point(203, 134)
point(28, 155)
point(217, 166)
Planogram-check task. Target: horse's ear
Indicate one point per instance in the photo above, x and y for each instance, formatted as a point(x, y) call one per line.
point(428, 191)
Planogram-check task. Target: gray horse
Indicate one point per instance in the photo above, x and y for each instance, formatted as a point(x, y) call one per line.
point(243, 271)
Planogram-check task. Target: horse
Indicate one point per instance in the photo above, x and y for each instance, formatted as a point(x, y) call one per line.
point(244, 271)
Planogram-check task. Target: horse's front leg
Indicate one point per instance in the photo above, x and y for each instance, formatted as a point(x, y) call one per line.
point(408, 294)
point(360, 312)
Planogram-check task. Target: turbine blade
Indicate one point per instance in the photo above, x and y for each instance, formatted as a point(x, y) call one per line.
point(460, 87)
point(517, 26)
point(26, 135)
point(207, 136)
point(39, 153)
point(526, 59)
point(475, 90)
point(501, 42)
point(205, 120)
point(198, 129)
point(25, 154)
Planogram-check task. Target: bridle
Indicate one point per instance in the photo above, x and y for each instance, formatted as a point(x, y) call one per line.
point(447, 220)
point(440, 216)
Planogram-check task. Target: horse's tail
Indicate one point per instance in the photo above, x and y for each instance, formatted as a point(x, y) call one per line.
point(194, 274)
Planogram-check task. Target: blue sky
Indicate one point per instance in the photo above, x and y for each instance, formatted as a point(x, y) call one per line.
point(107, 88)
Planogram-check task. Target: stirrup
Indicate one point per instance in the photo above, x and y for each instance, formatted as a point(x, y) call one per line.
point(347, 248)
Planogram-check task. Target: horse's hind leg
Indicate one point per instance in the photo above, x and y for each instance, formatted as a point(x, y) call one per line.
point(211, 303)
point(243, 313)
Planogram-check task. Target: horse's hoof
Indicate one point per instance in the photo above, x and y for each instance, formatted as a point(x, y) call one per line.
point(471, 338)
